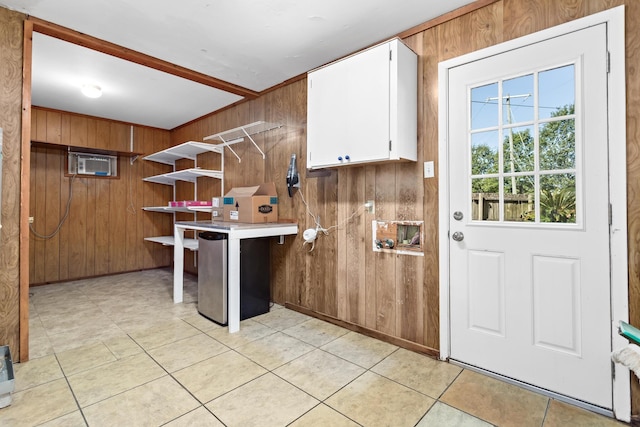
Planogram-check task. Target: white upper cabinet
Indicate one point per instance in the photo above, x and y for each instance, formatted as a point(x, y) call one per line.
point(364, 108)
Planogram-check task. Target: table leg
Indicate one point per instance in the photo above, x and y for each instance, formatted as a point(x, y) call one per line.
point(178, 264)
point(233, 281)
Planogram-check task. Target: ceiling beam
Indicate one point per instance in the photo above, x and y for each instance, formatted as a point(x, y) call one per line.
point(81, 39)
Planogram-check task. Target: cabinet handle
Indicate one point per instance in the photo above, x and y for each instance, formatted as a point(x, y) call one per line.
point(347, 157)
point(339, 158)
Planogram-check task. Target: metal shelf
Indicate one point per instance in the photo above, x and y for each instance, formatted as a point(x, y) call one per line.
point(234, 136)
point(186, 150)
point(191, 244)
point(172, 209)
point(189, 175)
point(167, 209)
point(200, 209)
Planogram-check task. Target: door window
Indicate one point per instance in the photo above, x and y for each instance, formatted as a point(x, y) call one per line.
point(524, 162)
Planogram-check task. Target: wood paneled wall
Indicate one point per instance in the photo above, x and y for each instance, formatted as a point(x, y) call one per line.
point(342, 278)
point(397, 296)
point(105, 229)
point(11, 48)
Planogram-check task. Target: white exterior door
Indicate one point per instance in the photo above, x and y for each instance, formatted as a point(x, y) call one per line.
point(529, 255)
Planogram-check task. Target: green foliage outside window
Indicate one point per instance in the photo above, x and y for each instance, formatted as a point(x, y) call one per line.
point(556, 151)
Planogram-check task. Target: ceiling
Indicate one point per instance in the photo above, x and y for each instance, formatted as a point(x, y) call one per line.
point(253, 44)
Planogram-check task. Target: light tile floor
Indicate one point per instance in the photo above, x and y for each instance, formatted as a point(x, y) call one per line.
point(116, 351)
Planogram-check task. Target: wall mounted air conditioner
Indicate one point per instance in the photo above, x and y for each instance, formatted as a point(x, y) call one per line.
point(92, 164)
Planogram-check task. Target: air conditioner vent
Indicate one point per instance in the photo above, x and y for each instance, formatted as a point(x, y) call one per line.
point(93, 164)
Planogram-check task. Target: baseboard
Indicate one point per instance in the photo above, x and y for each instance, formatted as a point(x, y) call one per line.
point(400, 342)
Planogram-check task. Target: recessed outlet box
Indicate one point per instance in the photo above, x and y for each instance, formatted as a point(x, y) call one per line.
point(400, 237)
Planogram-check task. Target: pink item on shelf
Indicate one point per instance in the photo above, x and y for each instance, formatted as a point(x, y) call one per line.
point(184, 203)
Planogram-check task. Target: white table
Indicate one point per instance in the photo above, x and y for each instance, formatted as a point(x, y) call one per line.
point(235, 232)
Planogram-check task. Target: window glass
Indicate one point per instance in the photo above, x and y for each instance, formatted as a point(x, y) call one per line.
point(556, 88)
point(484, 106)
point(517, 100)
point(518, 149)
point(558, 144)
point(558, 198)
point(485, 199)
point(519, 198)
point(484, 153)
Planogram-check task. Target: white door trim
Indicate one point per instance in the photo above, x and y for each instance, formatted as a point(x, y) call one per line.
point(614, 18)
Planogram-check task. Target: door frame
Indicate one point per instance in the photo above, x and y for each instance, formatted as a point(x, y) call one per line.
point(616, 100)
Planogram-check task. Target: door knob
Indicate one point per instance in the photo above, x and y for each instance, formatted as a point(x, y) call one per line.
point(458, 236)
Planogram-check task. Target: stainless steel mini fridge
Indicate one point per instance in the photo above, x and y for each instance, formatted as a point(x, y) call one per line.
point(255, 275)
point(212, 276)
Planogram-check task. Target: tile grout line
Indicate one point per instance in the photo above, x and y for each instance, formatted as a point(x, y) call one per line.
point(240, 354)
point(203, 405)
point(182, 317)
point(271, 371)
point(75, 398)
point(546, 412)
point(323, 401)
point(458, 409)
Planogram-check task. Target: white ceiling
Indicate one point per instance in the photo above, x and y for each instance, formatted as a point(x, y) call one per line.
point(255, 44)
point(131, 92)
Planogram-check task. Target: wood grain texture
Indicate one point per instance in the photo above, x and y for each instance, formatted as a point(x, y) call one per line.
point(395, 297)
point(478, 4)
point(76, 261)
point(352, 221)
point(105, 228)
point(25, 197)
point(409, 269)
point(11, 61)
point(524, 17)
point(429, 131)
point(66, 198)
point(321, 264)
point(412, 325)
point(385, 263)
point(409, 345)
point(398, 296)
point(38, 208)
point(341, 250)
point(52, 215)
point(371, 295)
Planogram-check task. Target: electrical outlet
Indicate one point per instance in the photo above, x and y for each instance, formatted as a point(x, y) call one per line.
point(428, 169)
point(369, 206)
point(30, 220)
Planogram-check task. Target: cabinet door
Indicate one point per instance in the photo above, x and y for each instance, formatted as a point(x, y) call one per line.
point(348, 110)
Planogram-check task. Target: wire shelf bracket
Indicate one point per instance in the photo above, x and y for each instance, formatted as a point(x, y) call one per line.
point(234, 136)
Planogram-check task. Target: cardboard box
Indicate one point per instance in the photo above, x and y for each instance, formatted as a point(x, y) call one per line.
point(255, 204)
point(217, 214)
point(217, 202)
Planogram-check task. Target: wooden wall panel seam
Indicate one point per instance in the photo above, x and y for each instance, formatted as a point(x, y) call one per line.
point(98, 236)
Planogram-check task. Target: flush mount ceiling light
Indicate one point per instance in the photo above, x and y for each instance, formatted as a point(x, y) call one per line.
point(91, 91)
